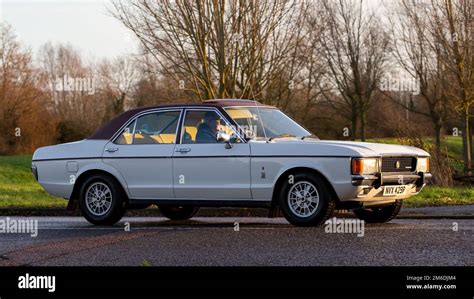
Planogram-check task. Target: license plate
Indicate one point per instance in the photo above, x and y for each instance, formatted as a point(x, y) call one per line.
point(394, 190)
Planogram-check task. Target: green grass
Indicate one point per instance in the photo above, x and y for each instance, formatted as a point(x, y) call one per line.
point(146, 263)
point(441, 196)
point(18, 187)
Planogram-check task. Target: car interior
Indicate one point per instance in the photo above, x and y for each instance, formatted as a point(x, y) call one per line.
point(153, 128)
point(195, 123)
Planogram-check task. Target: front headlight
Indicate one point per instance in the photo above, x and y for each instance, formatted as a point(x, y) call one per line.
point(423, 164)
point(365, 165)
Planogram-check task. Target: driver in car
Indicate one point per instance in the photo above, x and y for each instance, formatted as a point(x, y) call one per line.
point(208, 129)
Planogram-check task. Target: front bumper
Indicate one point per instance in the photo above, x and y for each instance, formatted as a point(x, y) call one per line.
point(380, 179)
point(369, 188)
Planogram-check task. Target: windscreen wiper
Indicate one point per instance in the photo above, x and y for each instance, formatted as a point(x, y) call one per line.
point(281, 136)
point(310, 136)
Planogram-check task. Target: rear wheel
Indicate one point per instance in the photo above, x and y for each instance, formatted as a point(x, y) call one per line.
point(305, 200)
point(101, 200)
point(178, 212)
point(379, 214)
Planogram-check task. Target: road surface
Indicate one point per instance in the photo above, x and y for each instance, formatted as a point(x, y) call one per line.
point(237, 241)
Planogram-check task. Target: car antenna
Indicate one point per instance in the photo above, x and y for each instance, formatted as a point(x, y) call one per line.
point(259, 115)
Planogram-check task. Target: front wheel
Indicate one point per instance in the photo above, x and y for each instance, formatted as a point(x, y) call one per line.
point(305, 200)
point(380, 214)
point(178, 212)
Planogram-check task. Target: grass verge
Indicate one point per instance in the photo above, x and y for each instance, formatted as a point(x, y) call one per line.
point(18, 187)
point(440, 196)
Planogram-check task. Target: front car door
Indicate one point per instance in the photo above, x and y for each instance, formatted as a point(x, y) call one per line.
point(143, 152)
point(204, 168)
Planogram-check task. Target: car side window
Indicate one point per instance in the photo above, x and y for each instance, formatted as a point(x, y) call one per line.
point(202, 126)
point(156, 128)
point(126, 137)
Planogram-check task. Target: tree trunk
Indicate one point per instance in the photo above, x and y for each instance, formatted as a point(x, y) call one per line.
point(471, 131)
point(354, 124)
point(438, 134)
point(467, 143)
point(362, 125)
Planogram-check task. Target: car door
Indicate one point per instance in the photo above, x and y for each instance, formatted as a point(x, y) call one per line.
point(206, 169)
point(143, 152)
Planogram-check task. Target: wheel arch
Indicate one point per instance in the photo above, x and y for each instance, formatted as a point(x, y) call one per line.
point(301, 169)
point(95, 171)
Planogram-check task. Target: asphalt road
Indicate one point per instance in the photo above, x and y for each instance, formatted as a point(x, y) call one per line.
point(64, 241)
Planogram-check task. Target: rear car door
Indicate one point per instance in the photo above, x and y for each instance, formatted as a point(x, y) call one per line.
point(142, 153)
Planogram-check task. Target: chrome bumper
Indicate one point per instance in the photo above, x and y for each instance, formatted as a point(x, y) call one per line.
point(381, 179)
point(369, 188)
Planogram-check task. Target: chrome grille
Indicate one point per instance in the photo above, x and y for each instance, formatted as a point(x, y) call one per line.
point(398, 164)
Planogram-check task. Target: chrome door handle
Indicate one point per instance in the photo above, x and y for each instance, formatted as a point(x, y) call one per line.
point(183, 150)
point(111, 150)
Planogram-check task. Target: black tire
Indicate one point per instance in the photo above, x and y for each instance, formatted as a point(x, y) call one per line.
point(379, 214)
point(116, 210)
point(324, 208)
point(178, 212)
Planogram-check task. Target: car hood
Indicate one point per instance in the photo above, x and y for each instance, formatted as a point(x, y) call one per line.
point(383, 149)
point(313, 147)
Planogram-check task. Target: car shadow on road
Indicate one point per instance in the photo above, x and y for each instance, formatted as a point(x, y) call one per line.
point(235, 223)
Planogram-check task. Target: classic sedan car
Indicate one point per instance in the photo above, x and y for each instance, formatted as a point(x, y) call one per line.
point(227, 153)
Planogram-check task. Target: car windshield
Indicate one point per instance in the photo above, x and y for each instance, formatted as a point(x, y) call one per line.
point(275, 123)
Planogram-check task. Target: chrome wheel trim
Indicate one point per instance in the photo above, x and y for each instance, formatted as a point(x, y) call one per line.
point(303, 199)
point(98, 199)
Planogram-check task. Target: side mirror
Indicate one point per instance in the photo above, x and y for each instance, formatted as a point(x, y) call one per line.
point(224, 137)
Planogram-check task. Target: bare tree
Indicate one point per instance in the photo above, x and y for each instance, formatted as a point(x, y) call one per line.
point(420, 57)
point(219, 49)
point(452, 24)
point(21, 100)
point(354, 49)
point(72, 86)
point(117, 81)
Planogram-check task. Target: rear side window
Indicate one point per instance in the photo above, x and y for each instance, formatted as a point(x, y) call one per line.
point(156, 128)
point(152, 128)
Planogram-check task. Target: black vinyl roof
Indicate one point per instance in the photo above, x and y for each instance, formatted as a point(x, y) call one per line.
point(111, 127)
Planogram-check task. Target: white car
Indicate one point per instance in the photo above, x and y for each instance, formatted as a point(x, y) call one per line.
point(227, 153)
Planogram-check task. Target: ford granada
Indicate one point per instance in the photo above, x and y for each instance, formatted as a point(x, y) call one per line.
point(227, 153)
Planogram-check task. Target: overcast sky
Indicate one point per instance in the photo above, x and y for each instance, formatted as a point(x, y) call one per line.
point(85, 24)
